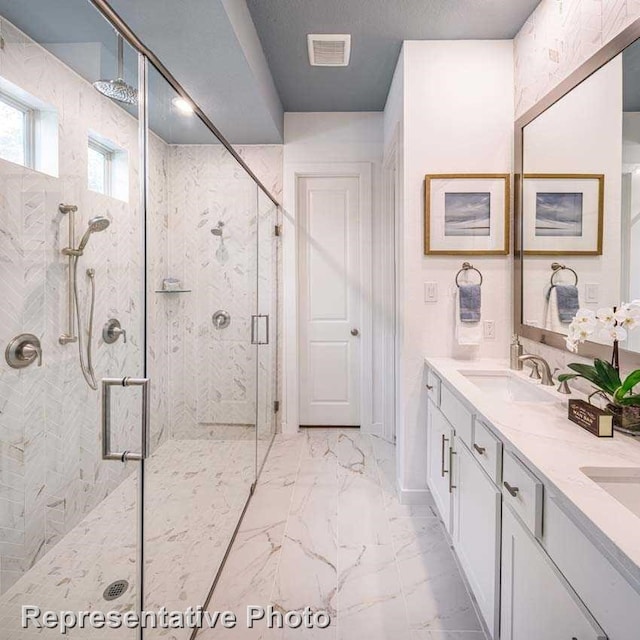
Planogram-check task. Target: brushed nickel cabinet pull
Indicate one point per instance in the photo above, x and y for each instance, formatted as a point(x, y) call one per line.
point(512, 490)
point(451, 485)
point(442, 469)
point(480, 450)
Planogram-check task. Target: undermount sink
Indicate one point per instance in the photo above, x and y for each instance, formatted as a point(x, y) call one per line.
point(508, 387)
point(621, 483)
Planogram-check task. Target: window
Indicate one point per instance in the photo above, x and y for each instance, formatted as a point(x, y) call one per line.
point(16, 131)
point(107, 167)
point(100, 165)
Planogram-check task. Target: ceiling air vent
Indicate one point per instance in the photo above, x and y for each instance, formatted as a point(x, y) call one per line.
point(329, 50)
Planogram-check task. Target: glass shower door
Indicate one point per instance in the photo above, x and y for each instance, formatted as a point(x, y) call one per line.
point(268, 406)
point(202, 292)
point(71, 240)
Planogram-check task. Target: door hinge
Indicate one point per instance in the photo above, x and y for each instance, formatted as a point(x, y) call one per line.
point(277, 230)
point(276, 406)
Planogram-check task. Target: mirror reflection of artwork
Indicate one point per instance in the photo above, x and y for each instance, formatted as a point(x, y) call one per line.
point(467, 214)
point(563, 214)
point(559, 214)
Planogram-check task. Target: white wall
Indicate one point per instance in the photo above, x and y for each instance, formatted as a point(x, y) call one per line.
point(325, 139)
point(580, 134)
point(458, 118)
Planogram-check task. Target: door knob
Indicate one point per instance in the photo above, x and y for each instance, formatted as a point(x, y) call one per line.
point(355, 332)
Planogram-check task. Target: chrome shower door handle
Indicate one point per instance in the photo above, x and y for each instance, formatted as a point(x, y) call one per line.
point(255, 329)
point(123, 456)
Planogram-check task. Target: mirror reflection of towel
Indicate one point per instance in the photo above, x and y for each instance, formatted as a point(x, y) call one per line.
point(568, 302)
point(563, 302)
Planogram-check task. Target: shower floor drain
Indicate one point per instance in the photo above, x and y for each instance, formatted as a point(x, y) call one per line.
point(115, 589)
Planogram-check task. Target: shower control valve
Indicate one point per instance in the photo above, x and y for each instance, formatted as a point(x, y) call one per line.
point(23, 350)
point(112, 330)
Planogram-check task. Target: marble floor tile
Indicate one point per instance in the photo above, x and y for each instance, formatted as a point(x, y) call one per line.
point(369, 600)
point(383, 570)
point(434, 592)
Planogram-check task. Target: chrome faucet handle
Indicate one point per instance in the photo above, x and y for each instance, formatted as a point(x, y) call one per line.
point(564, 387)
point(32, 352)
point(535, 371)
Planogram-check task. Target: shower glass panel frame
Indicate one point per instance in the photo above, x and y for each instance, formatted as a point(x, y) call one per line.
point(149, 540)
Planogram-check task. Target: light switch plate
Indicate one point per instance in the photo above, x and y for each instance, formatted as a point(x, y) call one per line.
point(431, 292)
point(591, 292)
point(489, 329)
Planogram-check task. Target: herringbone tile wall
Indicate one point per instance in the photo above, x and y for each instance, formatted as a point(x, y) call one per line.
point(51, 472)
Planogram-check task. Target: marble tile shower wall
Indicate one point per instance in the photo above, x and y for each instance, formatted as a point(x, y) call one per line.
point(558, 37)
point(51, 472)
point(206, 186)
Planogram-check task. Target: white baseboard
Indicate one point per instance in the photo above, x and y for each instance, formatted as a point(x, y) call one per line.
point(414, 496)
point(376, 429)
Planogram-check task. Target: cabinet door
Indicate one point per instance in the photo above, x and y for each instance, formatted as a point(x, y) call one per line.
point(537, 602)
point(439, 461)
point(476, 517)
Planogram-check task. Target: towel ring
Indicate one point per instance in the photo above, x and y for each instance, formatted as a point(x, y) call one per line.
point(467, 266)
point(557, 268)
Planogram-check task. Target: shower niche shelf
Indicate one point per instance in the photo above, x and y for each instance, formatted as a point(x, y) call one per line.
point(173, 290)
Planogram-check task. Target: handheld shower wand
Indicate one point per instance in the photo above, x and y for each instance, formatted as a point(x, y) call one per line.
point(97, 224)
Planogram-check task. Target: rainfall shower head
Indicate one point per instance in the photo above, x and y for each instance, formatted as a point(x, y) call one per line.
point(97, 224)
point(118, 89)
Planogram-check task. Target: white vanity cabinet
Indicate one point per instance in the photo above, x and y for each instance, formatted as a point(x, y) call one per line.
point(440, 454)
point(477, 505)
point(505, 536)
point(537, 603)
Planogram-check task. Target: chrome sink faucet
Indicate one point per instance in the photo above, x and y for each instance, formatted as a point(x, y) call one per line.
point(543, 368)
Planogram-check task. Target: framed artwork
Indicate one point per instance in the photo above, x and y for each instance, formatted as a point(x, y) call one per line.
point(467, 214)
point(563, 214)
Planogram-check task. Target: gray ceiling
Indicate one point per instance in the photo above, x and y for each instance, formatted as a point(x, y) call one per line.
point(631, 77)
point(244, 60)
point(377, 29)
point(209, 55)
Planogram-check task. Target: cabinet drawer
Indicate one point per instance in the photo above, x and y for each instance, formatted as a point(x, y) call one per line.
point(434, 384)
point(523, 492)
point(458, 415)
point(487, 450)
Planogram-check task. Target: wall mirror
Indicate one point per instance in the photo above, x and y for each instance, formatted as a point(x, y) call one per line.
point(578, 198)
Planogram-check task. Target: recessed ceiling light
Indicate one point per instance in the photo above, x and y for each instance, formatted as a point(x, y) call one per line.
point(183, 106)
point(329, 50)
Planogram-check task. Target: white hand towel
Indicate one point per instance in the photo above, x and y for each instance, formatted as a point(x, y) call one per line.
point(467, 333)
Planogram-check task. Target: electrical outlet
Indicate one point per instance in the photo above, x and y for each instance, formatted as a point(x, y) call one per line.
point(591, 293)
point(489, 329)
point(431, 292)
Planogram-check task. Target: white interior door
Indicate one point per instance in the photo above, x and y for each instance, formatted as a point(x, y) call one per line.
point(329, 277)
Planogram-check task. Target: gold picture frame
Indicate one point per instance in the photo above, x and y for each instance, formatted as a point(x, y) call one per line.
point(530, 219)
point(449, 237)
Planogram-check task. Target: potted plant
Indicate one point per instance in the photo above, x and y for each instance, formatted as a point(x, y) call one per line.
point(623, 401)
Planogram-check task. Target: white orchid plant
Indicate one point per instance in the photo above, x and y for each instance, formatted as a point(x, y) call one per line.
point(609, 323)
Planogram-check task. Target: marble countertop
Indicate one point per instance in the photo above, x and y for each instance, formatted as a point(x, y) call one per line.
point(556, 449)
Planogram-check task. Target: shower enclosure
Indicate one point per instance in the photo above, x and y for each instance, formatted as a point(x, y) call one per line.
point(125, 497)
